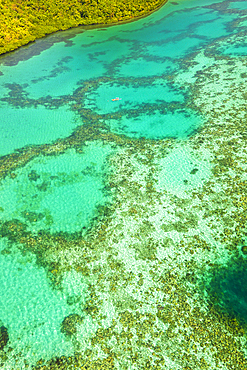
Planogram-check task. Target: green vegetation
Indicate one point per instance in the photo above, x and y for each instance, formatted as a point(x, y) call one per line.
point(23, 21)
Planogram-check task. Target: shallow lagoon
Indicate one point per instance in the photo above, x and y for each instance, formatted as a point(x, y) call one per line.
point(58, 193)
point(123, 222)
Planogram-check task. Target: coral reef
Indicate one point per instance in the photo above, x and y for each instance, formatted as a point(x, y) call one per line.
point(4, 337)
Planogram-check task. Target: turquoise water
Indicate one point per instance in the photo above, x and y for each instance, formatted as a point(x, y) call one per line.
point(26, 314)
point(131, 97)
point(156, 125)
point(122, 194)
point(238, 5)
point(150, 50)
point(57, 193)
point(27, 126)
point(181, 170)
point(235, 50)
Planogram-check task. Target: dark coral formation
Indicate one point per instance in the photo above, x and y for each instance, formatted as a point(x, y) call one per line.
point(4, 337)
point(160, 309)
point(68, 326)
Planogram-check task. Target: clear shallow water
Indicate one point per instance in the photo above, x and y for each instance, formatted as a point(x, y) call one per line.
point(38, 82)
point(180, 170)
point(238, 5)
point(57, 193)
point(33, 311)
point(156, 125)
point(25, 126)
point(30, 308)
point(131, 96)
point(124, 216)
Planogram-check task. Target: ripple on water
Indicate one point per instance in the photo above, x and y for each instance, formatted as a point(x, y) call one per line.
point(59, 193)
point(32, 311)
point(156, 125)
point(147, 61)
point(181, 171)
point(32, 126)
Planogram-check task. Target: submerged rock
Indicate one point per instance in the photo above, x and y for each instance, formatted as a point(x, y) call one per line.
point(4, 337)
point(68, 326)
point(244, 249)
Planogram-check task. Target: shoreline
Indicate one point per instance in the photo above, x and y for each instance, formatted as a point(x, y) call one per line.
point(84, 27)
point(130, 20)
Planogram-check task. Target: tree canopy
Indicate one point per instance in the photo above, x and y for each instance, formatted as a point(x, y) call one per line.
point(23, 21)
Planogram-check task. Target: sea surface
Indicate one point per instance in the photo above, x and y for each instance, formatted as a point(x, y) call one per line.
point(123, 158)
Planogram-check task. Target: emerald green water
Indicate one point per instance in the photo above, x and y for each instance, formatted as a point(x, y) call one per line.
point(57, 193)
point(23, 126)
point(238, 4)
point(36, 311)
point(123, 194)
